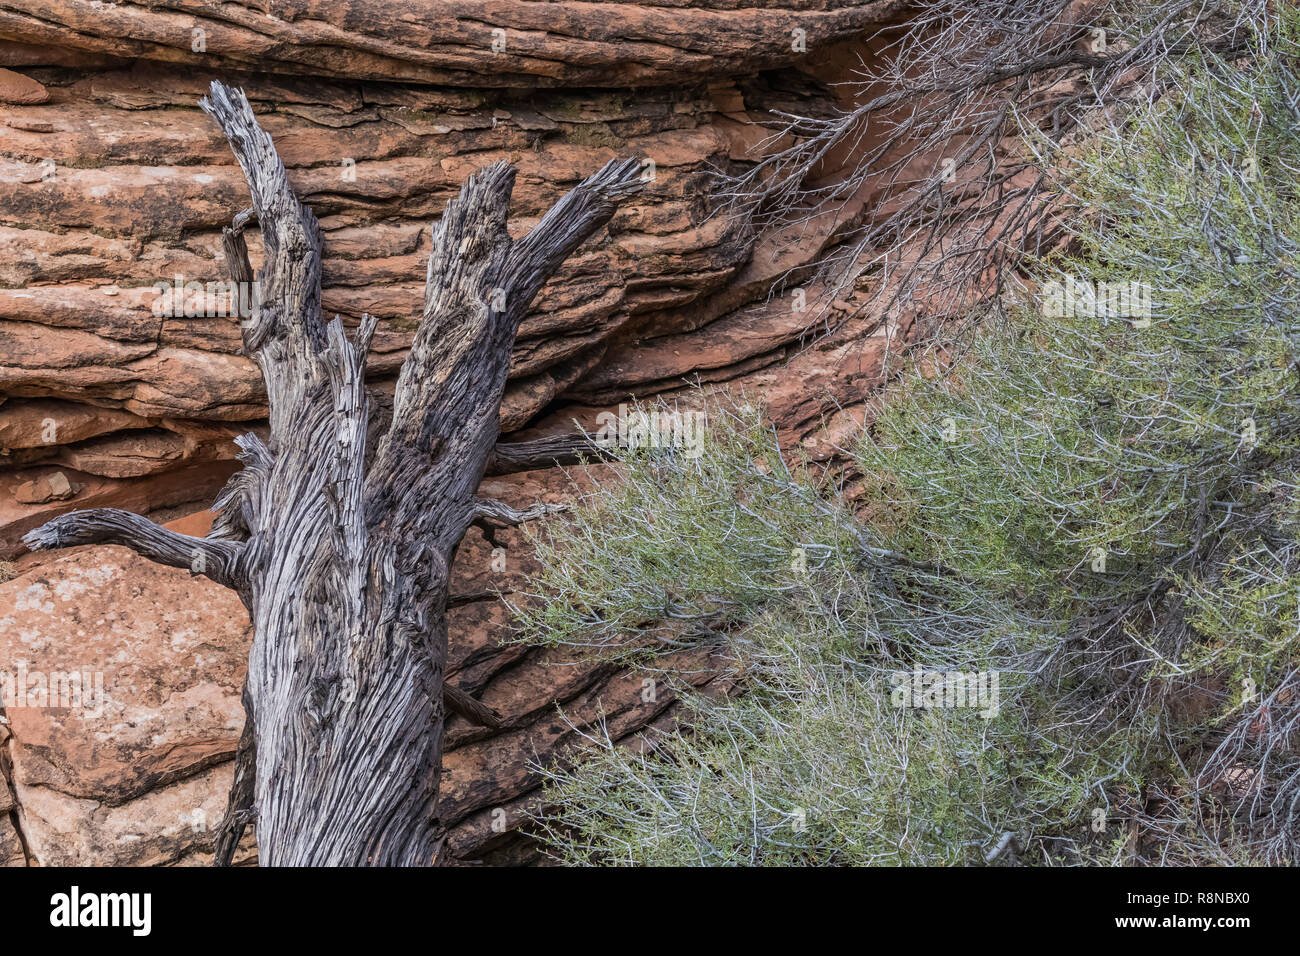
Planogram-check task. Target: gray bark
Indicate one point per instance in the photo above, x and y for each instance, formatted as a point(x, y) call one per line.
point(341, 552)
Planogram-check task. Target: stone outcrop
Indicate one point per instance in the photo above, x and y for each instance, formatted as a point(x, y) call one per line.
point(117, 392)
point(108, 386)
point(520, 43)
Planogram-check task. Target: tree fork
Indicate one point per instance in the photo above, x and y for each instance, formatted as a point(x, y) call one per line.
point(341, 552)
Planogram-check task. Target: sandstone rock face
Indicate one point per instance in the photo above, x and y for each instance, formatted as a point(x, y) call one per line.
point(456, 42)
point(120, 370)
point(125, 681)
point(20, 89)
point(127, 381)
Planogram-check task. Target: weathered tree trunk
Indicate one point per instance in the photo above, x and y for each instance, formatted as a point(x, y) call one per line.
point(341, 551)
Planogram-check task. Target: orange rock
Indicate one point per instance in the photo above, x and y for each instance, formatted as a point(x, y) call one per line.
point(509, 43)
point(19, 89)
point(53, 486)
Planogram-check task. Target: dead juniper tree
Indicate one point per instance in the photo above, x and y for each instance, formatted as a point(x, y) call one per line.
point(339, 543)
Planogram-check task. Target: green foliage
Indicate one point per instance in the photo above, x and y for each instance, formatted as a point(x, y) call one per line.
point(812, 765)
point(1097, 507)
point(1059, 436)
point(681, 547)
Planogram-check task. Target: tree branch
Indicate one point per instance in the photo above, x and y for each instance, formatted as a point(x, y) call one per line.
point(446, 404)
point(507, 458)
point(475, 711)
point(240, 503)
point(497, 515)
point(566, 226)
point(285, 335)
point(218, 560)
point(241, 272)
point(342, 559)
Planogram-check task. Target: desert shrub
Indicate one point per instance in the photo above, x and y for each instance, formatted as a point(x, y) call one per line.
point(1096, 503)
point(812, 762)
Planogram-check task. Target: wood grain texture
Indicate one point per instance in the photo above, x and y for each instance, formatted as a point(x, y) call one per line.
point(340, 551)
